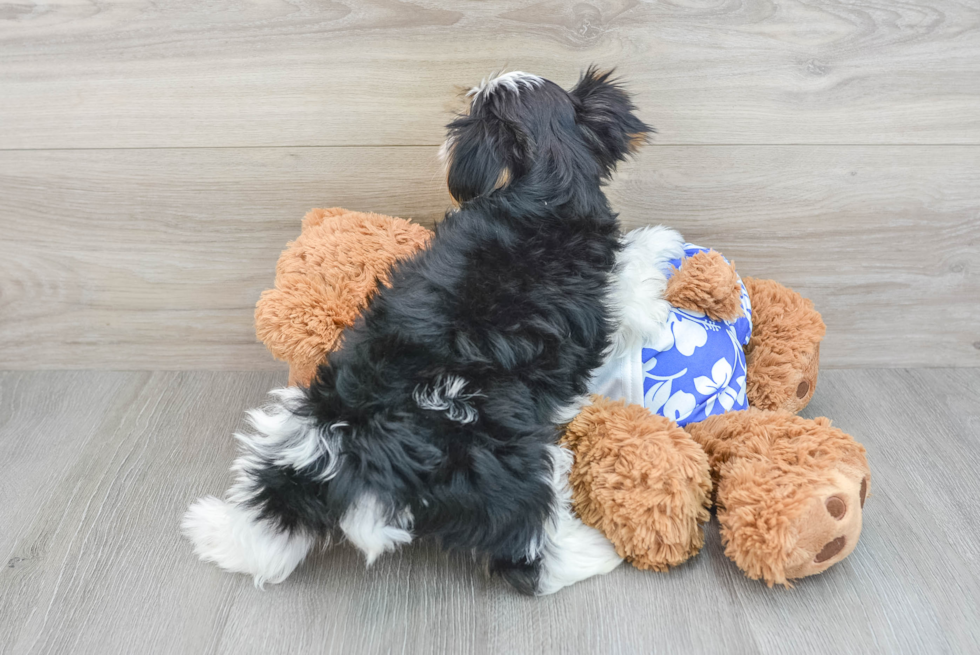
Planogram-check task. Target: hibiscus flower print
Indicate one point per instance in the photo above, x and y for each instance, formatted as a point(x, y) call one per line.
point(686, 333)
point(660, 398)
point(680, 406)
point(716, 388)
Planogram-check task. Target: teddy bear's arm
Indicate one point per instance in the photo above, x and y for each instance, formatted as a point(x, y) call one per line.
point(640, 480)
point(706, 282)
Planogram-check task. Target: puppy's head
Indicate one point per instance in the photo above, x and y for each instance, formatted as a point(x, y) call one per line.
point(521, 126)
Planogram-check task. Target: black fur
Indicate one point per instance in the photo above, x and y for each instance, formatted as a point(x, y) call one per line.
point(509, 296)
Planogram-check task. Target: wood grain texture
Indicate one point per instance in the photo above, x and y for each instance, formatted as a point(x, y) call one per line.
point(884, 240)
point(155, 259)
point(150, 259)
point(94, 563)
point(378, 72)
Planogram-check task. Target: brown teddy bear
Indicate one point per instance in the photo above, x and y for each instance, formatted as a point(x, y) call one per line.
point(789, 491)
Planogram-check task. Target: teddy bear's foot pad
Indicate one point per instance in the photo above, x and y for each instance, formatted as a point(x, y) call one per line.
point(829, 530)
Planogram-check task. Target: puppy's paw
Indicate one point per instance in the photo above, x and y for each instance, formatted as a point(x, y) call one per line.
point(238, 541)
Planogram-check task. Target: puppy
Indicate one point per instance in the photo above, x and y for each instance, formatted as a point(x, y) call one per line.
point(440, 414)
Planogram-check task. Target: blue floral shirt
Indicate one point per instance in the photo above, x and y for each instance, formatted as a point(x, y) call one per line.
point(694, 370)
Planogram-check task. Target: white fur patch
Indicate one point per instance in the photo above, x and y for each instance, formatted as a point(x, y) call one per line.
point(511, 81)
point(232, 535)
point(446, 395)
point(571, 551)
point(285, 439)
point(234, 538)
point(567, 413)
point(636, 297)
point(369, 527)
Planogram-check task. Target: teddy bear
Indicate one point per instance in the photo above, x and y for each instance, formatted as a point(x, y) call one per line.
point(788, 492)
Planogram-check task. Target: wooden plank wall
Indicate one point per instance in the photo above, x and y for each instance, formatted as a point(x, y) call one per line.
point(155, 157)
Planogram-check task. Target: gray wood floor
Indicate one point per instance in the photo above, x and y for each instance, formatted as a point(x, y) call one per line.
point(96, 469)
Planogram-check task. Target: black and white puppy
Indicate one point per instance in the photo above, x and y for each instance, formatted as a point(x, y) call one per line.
point(440, 414)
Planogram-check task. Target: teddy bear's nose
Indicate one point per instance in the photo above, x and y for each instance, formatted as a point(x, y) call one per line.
point(803, 389)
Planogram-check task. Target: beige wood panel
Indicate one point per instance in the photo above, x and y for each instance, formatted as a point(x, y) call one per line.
point(148, 259)
point(140, 73)
point(95, 564)
point(884, 240)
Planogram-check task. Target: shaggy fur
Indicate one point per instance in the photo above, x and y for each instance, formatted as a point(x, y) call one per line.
point(638, 286)
point(784, 352)
point(641, 480)
point(634, 458)
point(789, 491)
point(324, 281)
point(436, 417)
point(707, 283)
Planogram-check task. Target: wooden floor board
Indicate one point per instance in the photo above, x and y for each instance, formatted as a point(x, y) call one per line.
point(95, 563)
point(270, 73)
point(149, 259)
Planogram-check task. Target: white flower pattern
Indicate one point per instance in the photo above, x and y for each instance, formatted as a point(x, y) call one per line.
point(716, 387)
point(672, 386)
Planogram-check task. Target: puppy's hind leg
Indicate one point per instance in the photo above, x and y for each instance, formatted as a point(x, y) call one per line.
point(565, 551)
point(237, 539)
point(272, 515)
point(571, 551)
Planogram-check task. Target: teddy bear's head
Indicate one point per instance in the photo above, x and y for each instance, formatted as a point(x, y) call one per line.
point(324, 280)
point(783, 355)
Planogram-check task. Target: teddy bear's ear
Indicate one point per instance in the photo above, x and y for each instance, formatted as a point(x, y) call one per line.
point(301, 320)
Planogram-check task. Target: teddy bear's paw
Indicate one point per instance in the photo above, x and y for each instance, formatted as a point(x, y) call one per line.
point(706, 283)
point(641, 481)
point(830, 527)
point(782, 521)
point(781, 380)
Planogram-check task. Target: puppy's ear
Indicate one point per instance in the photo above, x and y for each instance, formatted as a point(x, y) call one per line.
point(483, 152)
point(605, 114)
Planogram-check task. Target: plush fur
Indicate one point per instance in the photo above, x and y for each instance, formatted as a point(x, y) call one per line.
point(436, 417)
point(641, 480)
point(784, 353)
point(789, 490)
point(325, 279)
point(707, 283)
